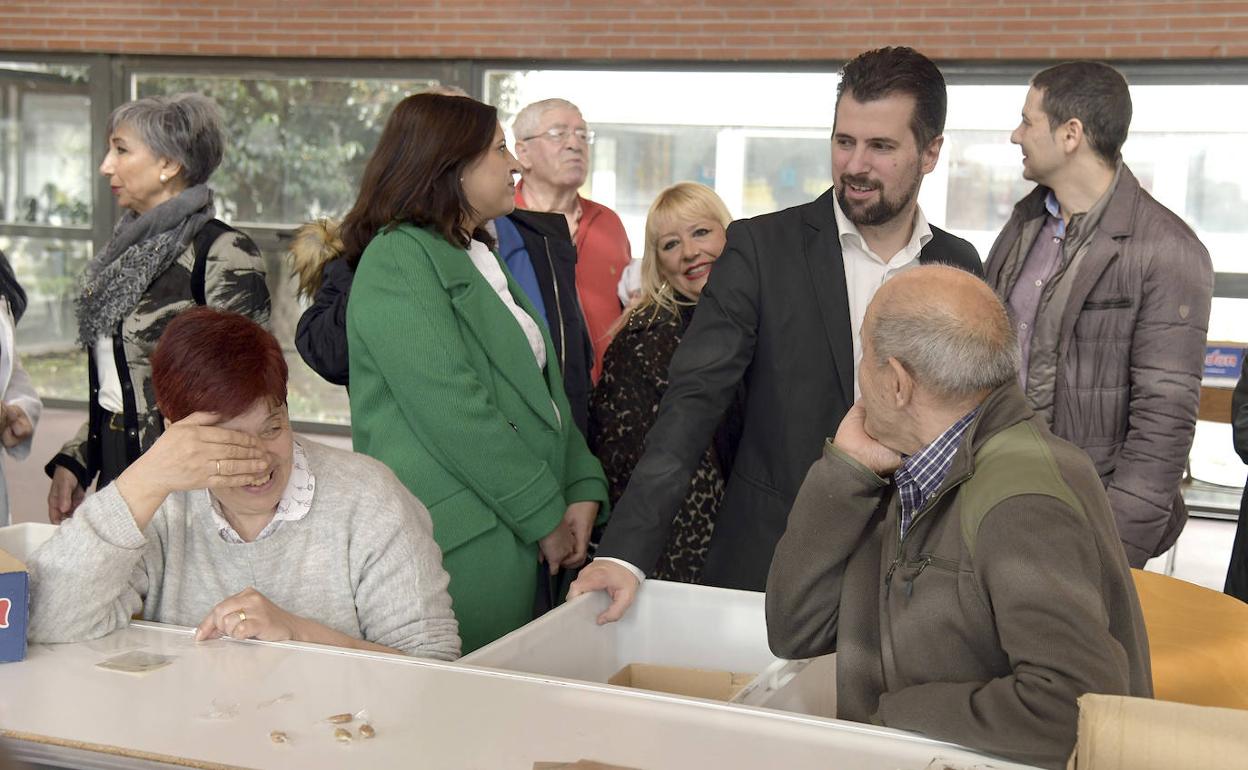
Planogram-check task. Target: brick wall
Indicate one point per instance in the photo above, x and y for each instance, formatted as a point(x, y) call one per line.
point(714, 30)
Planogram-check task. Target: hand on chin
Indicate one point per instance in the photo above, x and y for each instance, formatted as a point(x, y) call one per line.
point(853, 438)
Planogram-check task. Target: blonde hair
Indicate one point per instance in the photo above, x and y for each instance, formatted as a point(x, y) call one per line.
point(681, 202)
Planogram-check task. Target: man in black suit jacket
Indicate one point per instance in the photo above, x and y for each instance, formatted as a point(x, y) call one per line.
point(781, 313)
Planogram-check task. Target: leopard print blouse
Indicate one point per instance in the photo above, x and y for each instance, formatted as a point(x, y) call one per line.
point(623, 408)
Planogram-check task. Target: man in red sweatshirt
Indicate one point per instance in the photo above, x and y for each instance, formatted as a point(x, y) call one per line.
point(552, 145)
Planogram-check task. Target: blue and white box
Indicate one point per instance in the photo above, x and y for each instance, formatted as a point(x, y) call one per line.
point(14, 604)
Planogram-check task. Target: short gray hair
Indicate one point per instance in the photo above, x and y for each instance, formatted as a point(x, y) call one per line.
point(528, 119)
point(184, 128)
point(954, 354)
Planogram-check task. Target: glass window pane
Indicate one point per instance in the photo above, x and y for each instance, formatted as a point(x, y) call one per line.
point(1226, 320)
point(48, 268)
point(1185, 147)
point(784, 169)
point(296, 146)
point(310, 397)
point(770, 151)
point(658, 128)
point(984, 175)
point(631, 164)
point(1195, 176)
point(1217, 190)
point(45, 145)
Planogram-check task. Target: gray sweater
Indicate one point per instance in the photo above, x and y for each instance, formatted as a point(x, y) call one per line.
point(362, 561)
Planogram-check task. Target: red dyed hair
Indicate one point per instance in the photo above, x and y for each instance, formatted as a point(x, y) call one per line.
point(212, 360)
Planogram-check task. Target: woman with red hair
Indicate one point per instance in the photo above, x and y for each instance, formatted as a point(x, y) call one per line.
point(230, 523)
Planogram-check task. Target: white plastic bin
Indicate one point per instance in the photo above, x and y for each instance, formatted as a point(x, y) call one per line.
point(21, 540)
point(669, 624)
point(799, 686)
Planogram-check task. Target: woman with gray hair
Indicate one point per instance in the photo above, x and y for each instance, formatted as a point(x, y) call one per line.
point(167, 253)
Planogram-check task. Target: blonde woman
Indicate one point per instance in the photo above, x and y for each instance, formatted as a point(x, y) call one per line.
point(685, 233)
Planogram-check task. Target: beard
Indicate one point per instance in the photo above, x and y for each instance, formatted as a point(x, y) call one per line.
point(883, 210)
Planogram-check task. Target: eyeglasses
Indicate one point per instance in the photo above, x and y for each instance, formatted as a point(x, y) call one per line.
point(586, 135)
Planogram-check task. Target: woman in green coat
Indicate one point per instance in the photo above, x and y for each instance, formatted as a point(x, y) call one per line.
point(454, 383)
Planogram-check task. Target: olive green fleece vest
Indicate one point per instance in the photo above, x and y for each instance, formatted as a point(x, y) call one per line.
point(1016, 461)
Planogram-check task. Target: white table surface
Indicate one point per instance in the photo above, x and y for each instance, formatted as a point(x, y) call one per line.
point(426, 714)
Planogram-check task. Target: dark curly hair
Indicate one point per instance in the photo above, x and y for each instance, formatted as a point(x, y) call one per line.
point(899, 70)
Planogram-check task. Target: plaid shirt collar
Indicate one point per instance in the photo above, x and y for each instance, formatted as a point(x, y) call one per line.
point(922, 473)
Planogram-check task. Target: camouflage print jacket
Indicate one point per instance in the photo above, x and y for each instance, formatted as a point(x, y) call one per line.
point(234, 279)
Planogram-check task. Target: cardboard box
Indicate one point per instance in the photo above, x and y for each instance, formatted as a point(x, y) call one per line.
point(693, 682)
point(14, 601)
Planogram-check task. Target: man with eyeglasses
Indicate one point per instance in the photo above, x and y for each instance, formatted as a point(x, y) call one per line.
point(552, 145)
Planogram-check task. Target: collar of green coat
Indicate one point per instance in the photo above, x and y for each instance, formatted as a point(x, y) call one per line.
point(483, 313)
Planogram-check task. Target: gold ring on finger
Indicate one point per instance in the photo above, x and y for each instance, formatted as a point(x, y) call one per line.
point(218, 467)
point(241, 616)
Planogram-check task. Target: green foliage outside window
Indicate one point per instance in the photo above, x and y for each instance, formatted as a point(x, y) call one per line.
point(296, 146)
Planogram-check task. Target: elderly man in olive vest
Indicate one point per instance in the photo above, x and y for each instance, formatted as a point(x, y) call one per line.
point(960, 559)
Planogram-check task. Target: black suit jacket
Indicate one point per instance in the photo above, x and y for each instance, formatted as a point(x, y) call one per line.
point(774, 315)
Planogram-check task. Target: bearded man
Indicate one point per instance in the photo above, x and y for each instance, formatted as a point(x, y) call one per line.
point(781, 313)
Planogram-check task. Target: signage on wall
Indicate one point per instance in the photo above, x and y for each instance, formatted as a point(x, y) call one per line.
point(1223, 363)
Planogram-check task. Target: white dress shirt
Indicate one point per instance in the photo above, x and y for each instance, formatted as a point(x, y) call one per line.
point(109, 379)
point(866, 271)
point(489, 267)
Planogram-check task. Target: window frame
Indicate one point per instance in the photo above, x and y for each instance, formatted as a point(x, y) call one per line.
point(99, 92)
point(111, 81)
point(958, 72)
point(272, 238)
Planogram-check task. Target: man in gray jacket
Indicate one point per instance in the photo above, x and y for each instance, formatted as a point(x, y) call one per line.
point(960, 559)
point(1109, 292)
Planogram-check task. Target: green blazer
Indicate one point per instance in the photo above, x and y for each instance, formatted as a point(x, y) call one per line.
point(446, 392)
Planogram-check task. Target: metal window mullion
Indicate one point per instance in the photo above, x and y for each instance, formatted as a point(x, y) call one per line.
point(447, 71)
point(1230, 285)
point(104, 90)
point(18, 230)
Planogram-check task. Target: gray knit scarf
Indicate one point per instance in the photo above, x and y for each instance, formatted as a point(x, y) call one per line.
point(141, 248)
